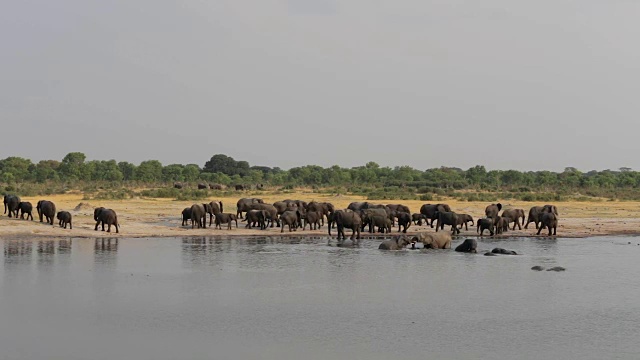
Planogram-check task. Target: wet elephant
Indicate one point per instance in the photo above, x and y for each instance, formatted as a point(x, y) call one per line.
point(468, 246)
point(397, 243)
point(347, 219)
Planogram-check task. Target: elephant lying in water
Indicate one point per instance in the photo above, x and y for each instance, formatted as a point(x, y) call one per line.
point(397, 243)
point(469, 246)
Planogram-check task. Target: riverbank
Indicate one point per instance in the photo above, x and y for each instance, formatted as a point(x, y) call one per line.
point(161, 217)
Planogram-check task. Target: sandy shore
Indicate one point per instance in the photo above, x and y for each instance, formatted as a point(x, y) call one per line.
point(161, 217)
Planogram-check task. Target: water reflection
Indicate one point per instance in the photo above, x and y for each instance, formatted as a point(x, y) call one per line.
point(17, 251)
point(105, 250)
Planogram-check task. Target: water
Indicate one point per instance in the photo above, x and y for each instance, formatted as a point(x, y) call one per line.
point(198, 298)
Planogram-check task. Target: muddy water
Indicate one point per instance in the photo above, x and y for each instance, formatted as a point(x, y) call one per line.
point(198, 298)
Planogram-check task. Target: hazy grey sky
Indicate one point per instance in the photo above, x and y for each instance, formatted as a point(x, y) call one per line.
point(533, 84)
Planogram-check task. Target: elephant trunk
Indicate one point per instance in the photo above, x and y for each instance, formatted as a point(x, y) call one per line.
point(221, 210)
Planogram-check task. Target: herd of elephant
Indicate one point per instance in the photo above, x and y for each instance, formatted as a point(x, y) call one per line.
point(360, 215)
point(47, 212)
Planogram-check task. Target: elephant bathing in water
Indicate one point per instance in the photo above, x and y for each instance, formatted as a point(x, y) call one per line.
point(433, 240)
point(397, 243)
point(469, 246)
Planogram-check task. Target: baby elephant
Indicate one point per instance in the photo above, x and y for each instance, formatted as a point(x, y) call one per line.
point(65, 218)
point(468, 246)
point(397, 243)
point(225, 218)
point(25, 207)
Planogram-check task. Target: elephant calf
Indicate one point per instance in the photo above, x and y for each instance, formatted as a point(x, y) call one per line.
point(312, 218)
point(469, 246)
point(404, 220)
point(225, 218)
point(25, 207)
point(186, 216)
point(64, 218)
point(417, 219)
point(549, 220)
point(398, 243)
point(485, 224)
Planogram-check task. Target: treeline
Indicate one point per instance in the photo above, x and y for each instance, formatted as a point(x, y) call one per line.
point(369, 179)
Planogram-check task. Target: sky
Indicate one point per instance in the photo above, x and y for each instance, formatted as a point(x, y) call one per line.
point(527, 85)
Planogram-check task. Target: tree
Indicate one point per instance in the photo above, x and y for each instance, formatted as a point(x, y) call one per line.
point(72, 163)
point(149, 171)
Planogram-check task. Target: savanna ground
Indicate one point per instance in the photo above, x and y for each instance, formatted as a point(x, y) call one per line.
point(153, 217)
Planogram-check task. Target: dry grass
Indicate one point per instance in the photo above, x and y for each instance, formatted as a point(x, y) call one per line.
point(160, 217)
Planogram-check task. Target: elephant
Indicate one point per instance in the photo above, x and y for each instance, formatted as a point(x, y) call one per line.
point(356, 206)
point(312, 218)
point(503, 251)
point(46, 209)
point(447, 218)
point(535, 214)
point(244, 204)
point(272, 212)
point(11, 203)
point(514, 215)
point(259, 186)
point(464, 219)
point(225, 218)
point(433, 240)
point(106, 216)
point(199, 215)
point(397, 243)
point(468, 246)
point(417, 218)
point(429, 211)
point(64, 218)
point(366, 216)
point(399, 208)
point(25, 207)
point(292, 218)
point(492, 210)
point(501, 224)
point(186, 215)
point(177, 185)
point(282, 206)
point(347, 219)
point(299, 203)
point(215, 207)
point(549, 220)
point(404, 220)
point(216, 187)
point(239, 187)
point(485, 224)
point(202, 186)
point(324, 207)
point(258, 217)
point(383, 223)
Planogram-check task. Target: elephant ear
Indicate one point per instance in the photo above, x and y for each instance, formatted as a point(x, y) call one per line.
point(499, 206)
